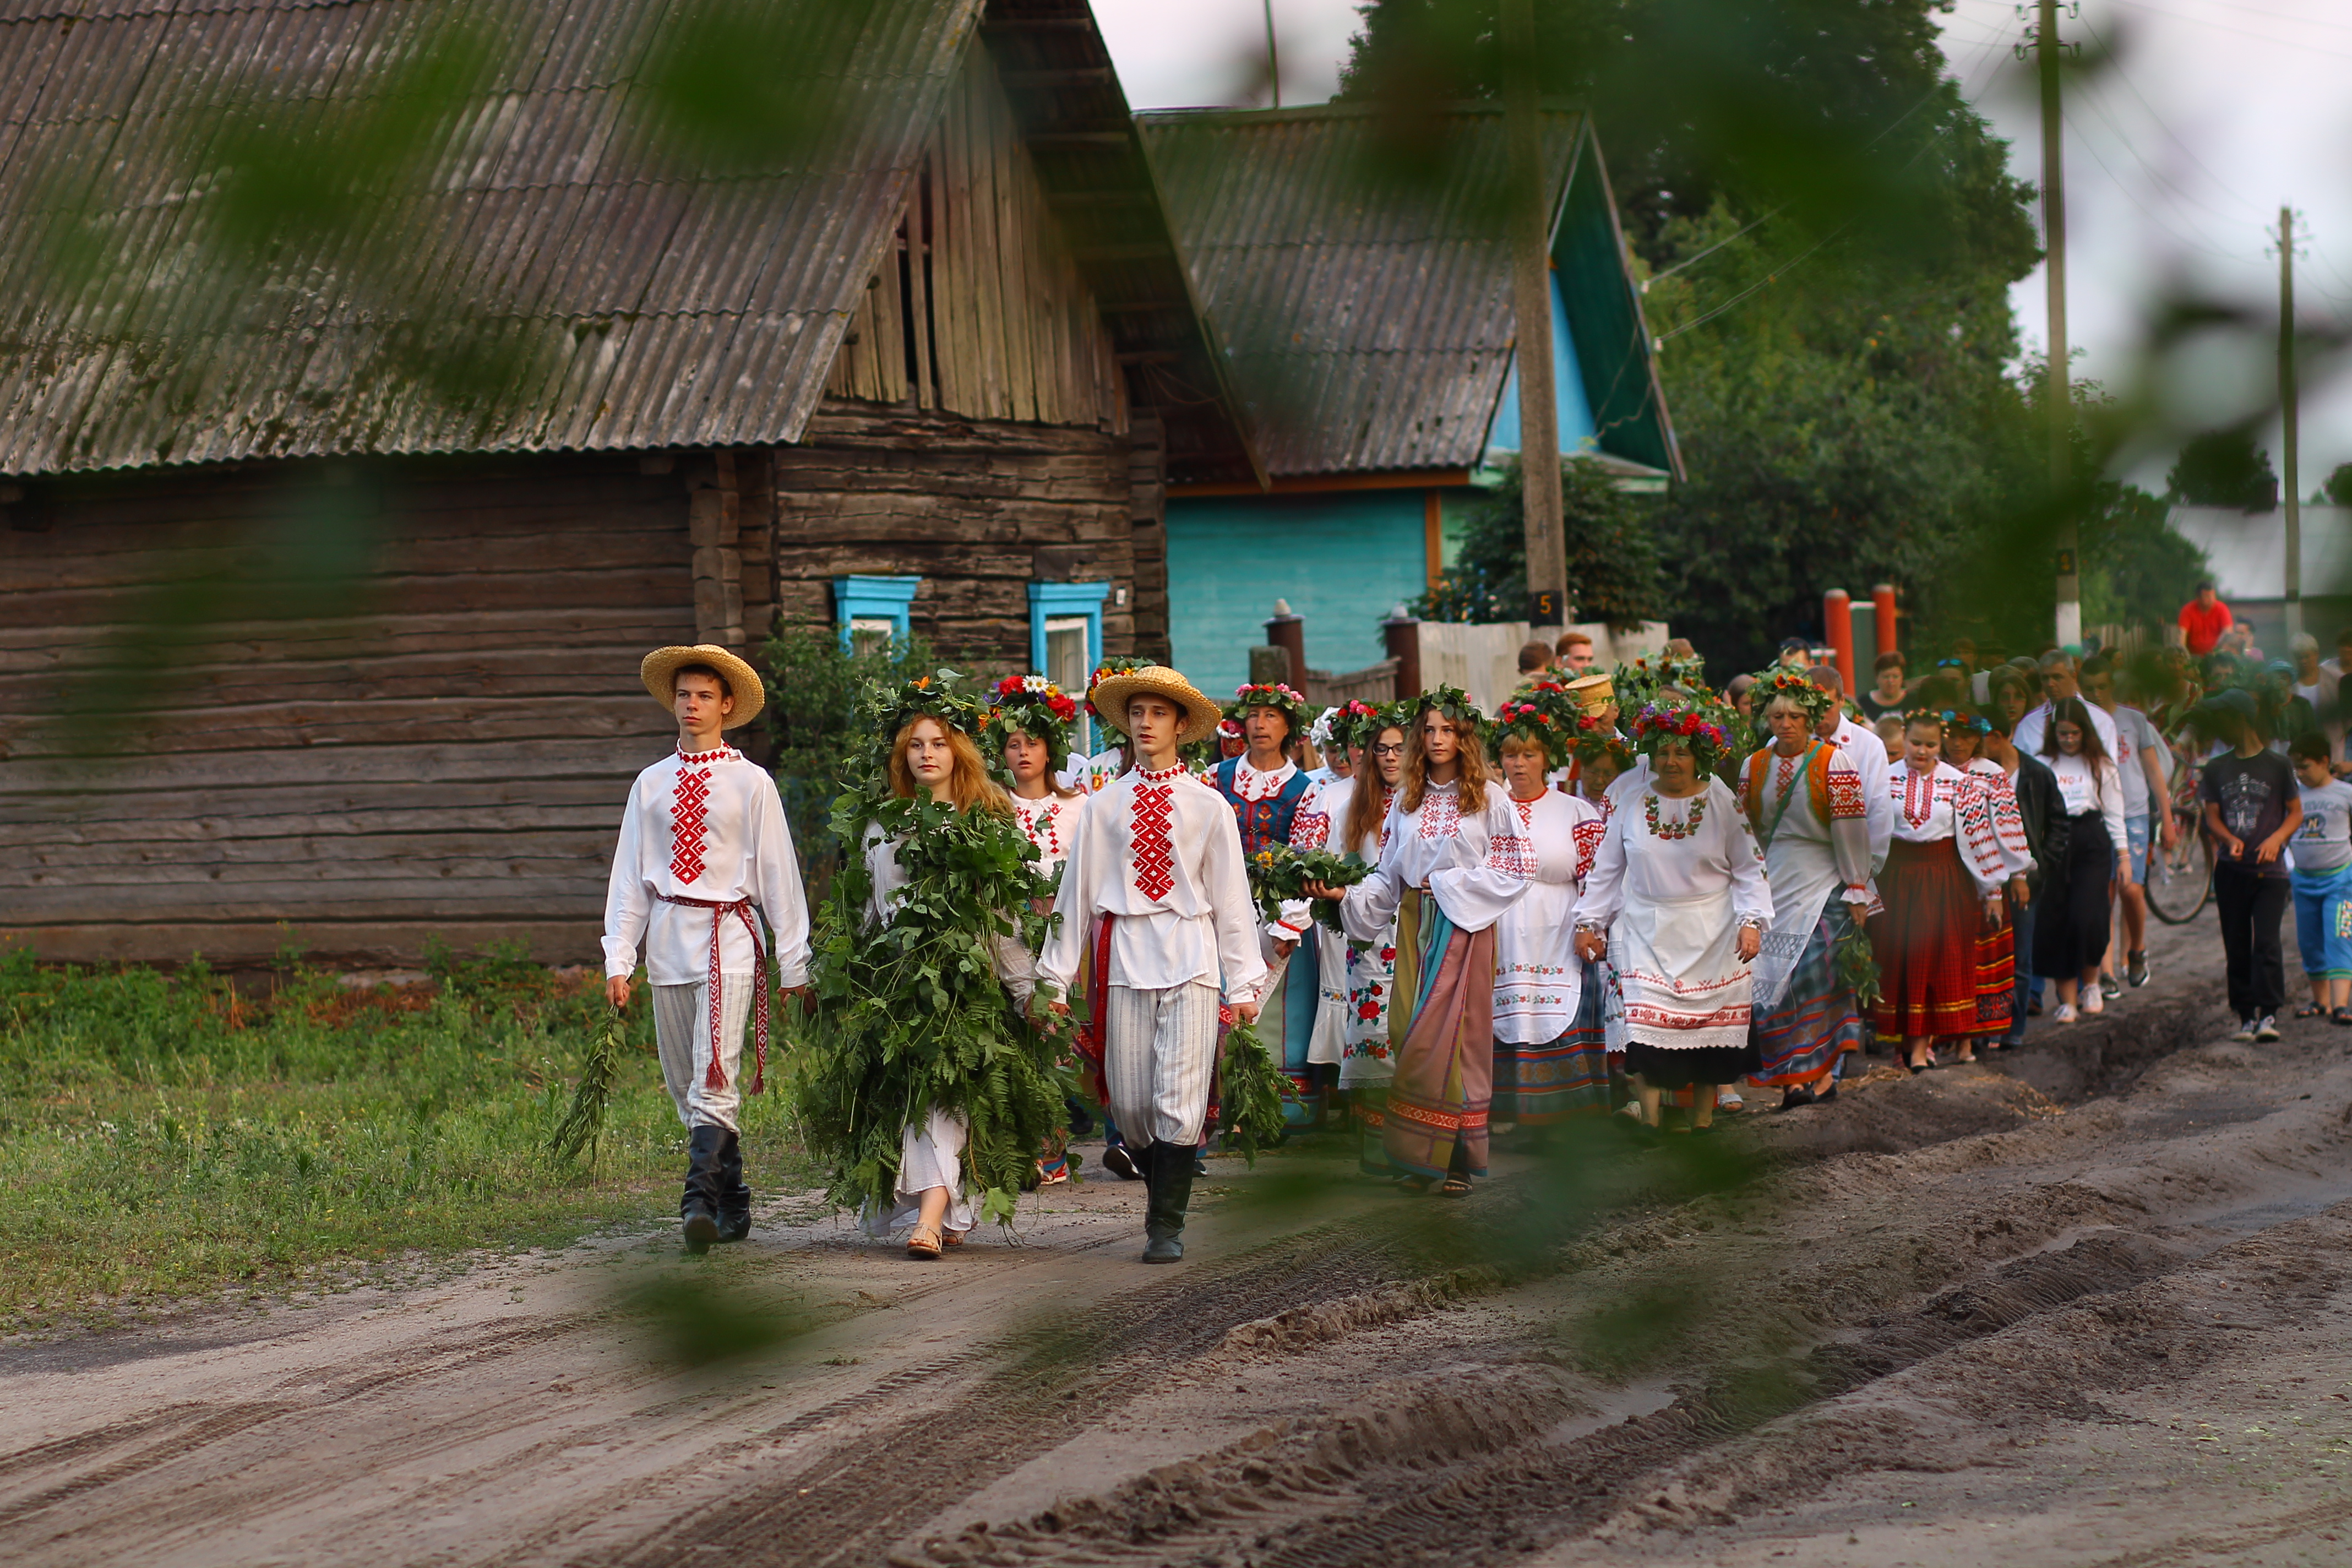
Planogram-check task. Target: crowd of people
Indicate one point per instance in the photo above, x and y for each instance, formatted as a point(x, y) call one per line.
point(1625, 894)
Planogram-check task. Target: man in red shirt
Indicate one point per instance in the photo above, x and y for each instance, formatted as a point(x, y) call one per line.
point(2204, 619)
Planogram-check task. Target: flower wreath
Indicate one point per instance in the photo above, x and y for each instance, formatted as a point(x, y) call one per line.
point(1773, 685)
point(1348, 722)
point(1274, 694)
point(1034, 706)
point(885, 710)
point(1544, 713)
point(1938, 717)
point(1596, 739)
point(1659, 725)
point(1973, 723)
point(1103, 672)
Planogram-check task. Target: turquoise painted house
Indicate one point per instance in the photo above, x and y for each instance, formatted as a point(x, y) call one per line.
point(1365, 319)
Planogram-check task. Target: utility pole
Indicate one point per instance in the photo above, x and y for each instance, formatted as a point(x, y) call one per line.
point(2287, 411)
point(1273, 59)
point(1530, 231)
point(2058, 394)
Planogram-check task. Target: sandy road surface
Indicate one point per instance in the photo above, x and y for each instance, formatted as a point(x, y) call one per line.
point(2087, 1305)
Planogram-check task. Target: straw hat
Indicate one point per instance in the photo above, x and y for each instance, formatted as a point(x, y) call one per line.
point(661, 667)
point(1593, 692)
point(1111, 694)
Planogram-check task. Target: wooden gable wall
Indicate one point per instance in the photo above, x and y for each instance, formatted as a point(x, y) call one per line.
point(978, 308)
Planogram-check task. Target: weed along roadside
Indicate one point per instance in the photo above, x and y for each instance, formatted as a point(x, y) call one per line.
point(170, 1136)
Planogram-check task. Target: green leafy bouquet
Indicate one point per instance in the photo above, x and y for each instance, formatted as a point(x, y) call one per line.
point(1249, 1093)
point(1278, 874)
point(911, 1015)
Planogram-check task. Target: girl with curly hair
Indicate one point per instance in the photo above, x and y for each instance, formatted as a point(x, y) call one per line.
point(1456, 859)
point(1677, 895)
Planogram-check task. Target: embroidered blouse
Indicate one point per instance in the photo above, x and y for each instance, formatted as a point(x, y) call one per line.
point(1657, 849)
point(706, 826)
point(1947, 803)
point(1477, 864)
point(2008, 821)
point(1050, 824)
point(1539, 979)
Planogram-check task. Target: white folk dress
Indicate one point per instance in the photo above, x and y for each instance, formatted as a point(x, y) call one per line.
point(931, 1155)
point(1368, 1061)
point(1320, 811)
point(1672, 884)
point(1539, 979)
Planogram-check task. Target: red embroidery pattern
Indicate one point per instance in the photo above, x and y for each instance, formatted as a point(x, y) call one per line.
point(1155, 860)
point(1588, 835)
point(688, 820)
point(1527, 811)
point(1441, 814)
point(1918, 797)
point(1512, 854)
point(1032, 817)
point(1845, 793)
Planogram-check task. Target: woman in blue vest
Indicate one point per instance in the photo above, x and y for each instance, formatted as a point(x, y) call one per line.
point(1266, 788)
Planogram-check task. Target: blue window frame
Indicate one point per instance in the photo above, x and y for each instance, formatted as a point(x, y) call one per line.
point(873, 606)
point(1065, 637)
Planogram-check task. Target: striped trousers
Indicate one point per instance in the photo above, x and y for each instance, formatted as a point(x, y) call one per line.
point(1160, 1051)
point(682, 1036)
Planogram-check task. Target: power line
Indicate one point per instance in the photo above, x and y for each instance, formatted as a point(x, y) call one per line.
point(2132, 196)
point(2241, 32)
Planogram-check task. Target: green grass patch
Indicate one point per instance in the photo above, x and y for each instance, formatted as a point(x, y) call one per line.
point(163, 1138)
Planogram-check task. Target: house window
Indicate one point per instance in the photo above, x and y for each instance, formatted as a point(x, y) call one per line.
point(1065, 639)
point(872, 612)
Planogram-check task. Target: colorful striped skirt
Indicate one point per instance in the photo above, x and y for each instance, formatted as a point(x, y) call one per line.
point(1445, 1085)
point(1996, 980)
point(1815, 1021)
point(1537, 1084)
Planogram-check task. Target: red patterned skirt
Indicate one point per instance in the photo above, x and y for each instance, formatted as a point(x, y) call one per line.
point(1926, 943)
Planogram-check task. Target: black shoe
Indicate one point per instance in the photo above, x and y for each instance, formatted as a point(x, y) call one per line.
point(1796, 1096)
point(1171, 1168)
point(1121, 1163)
point(1825, 1096)
point(734, 1198)
point(2135, 968)
point(697, 1209)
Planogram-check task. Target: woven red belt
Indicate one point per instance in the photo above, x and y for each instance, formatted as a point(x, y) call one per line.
point(720, 909)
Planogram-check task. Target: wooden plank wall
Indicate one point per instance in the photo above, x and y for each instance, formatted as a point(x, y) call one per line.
point(1002, 326)
point(979, 510)
point(445, 754)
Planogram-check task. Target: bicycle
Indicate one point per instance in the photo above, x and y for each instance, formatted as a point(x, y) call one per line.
point(2180, 880)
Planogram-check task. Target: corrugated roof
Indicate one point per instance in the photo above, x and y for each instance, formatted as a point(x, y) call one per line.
point(1358, 282)
point(553, 261)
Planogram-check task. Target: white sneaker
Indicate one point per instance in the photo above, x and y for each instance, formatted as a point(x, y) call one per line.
point(2065, 1014)
point(2246, 1031)
point(2092, 1001)
point(2266, 1029)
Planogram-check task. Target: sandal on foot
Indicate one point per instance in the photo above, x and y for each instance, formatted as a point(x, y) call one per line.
point(923, 1243)
point(1455, 1186)
point(950, 1238)
point(2311, 1011)
point(1417, 1185)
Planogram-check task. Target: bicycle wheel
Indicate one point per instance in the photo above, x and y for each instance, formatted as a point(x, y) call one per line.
point(2179, 882)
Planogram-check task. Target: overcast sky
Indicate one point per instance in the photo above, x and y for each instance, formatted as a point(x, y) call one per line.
point(2178, 158)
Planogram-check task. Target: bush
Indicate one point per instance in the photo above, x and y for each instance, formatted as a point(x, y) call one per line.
point(1612, 559)
point(814, 684)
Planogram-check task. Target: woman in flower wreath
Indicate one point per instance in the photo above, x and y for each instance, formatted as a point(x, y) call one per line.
point(1027, 733)
point(1550, 1053)
point(1942, 888)
point(916, 1103)
point(1319, 820)
point(1677, 896)
point(1964, 736)
point(1266, 790)
point(1804, 801)
point(1455, 859)
point(1602, 758)
point(1362, 824)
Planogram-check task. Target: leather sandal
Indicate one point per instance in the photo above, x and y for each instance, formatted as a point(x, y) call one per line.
point(950, 1238)
point(1455, 1186)
point(923, 1243)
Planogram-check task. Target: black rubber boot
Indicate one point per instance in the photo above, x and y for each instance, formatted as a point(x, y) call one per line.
point(698, 1210)
point(1170, 1167)
point(734, 1198)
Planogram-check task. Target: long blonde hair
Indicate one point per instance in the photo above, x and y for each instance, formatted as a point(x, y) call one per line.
point(1369, 802)
point(1470, 754)
point(969, 786)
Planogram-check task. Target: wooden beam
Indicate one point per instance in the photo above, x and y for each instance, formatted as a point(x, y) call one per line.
point(1315, 484)
point(1075, 76)
point(1150, 356)
point(1102, 198)
point(1143, 250)
point(1433, 524)
point(1078, 139)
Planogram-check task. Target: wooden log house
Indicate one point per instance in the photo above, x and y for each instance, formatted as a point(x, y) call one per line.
point(292, 649)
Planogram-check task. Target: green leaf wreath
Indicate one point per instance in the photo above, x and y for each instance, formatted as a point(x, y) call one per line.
point(911, 1015)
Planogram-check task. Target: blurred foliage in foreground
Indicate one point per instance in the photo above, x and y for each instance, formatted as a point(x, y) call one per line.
point(165, 1136)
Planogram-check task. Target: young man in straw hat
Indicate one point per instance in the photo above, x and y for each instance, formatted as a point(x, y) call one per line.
point(703, 841)
point(1157, 861)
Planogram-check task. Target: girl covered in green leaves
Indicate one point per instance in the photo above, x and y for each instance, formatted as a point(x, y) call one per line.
point(926, 1085)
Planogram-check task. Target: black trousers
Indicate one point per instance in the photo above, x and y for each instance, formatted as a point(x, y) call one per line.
point(2252, 907)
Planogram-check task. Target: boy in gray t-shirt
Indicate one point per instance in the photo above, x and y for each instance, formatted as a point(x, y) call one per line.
point(2321, 851)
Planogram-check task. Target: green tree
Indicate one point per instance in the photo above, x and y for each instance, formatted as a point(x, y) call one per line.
point(2225, 467)
point(1613, 568)
point(1831, 232)
point(2337, 490)
point(817, 742)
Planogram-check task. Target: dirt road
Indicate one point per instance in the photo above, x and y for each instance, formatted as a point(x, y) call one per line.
point(2086, 1304)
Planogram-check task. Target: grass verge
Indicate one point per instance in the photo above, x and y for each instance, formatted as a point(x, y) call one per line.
point(163, 1139)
